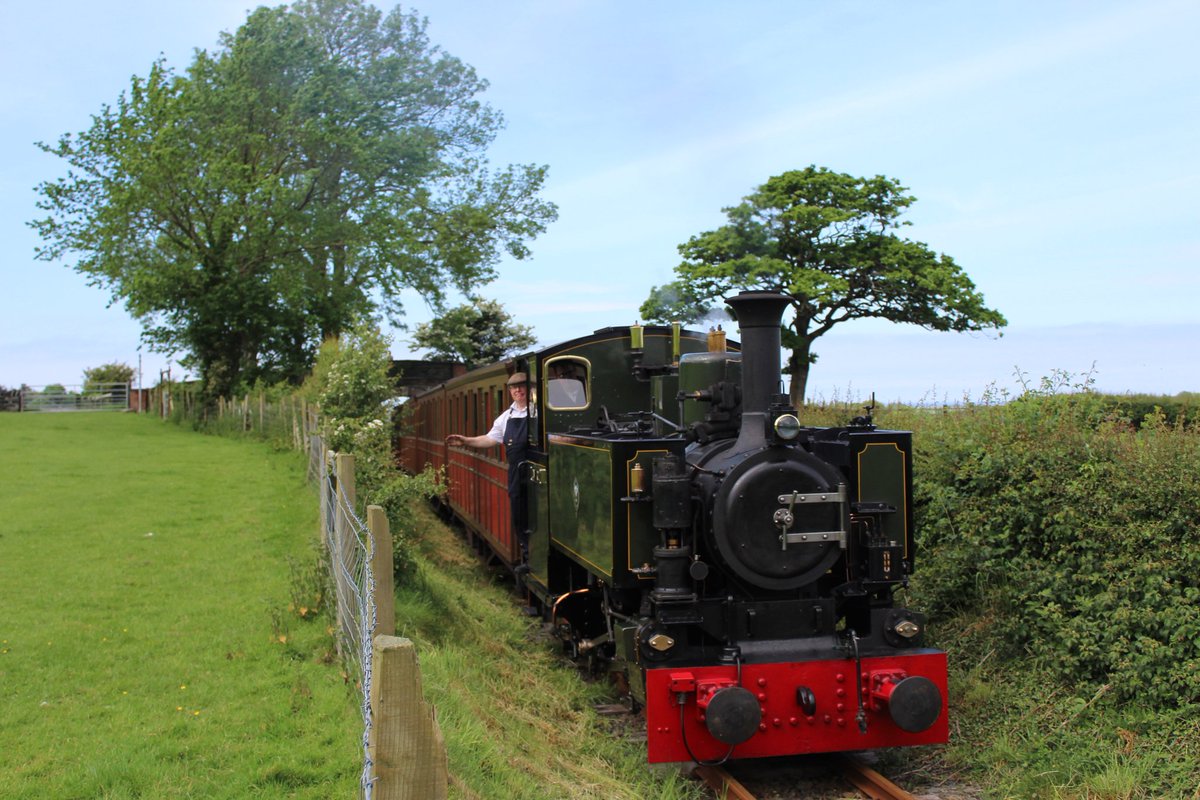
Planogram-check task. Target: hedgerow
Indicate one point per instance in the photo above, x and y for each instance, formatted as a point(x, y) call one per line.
point(1134, 408)
point(1071, 532)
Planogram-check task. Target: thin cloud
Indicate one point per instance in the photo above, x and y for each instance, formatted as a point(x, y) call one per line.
point(1016, 59)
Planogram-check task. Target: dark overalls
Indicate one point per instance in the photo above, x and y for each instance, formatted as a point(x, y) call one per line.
point(516, 445)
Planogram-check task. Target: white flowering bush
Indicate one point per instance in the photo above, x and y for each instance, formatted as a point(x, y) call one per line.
point(350, 379)
point(350, 383)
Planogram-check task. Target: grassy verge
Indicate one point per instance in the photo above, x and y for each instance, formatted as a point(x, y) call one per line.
point(1025, 737)
point(146, 649)
point(518, 721)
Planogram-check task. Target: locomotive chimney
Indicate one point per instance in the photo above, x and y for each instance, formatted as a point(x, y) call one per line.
point(758, 315)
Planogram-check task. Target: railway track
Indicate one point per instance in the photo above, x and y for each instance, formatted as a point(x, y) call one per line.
point(723, 784)
point(870, 782)
point(866, 780)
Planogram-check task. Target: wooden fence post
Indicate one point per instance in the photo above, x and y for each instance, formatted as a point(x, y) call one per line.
point(324, 497)
point(344, 464)
point(297, 437)
point(343, 533)
point(381, 570)
point(405, 743)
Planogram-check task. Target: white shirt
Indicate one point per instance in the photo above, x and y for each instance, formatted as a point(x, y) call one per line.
point(496, 434)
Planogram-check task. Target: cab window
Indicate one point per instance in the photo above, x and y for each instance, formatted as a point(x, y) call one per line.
point(567, 384)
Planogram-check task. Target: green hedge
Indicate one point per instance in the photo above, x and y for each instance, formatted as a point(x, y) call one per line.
point(1071, 533)
point(1181, 408)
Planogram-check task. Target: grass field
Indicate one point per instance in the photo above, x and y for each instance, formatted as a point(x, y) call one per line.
point(146, 649)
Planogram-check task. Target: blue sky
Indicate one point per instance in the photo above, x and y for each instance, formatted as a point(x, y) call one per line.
point(1054, 148)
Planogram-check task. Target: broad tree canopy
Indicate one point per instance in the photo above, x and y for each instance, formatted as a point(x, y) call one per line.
point(827, 240)
point(477, 333)
point(321, 160)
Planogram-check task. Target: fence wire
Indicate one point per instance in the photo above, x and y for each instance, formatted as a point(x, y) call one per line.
point(348, 545)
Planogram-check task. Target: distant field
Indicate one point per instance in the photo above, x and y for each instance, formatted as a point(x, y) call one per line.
point(146, 649)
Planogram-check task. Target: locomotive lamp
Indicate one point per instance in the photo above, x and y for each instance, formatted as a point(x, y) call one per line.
point(787, 427)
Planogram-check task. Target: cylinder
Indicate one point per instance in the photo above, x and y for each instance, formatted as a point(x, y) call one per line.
point(672, 582)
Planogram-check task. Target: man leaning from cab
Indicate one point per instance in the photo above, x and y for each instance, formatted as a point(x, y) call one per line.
point(511, 429)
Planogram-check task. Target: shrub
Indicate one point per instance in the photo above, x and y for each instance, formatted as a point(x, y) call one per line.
point(1133, 408)
point(1073, 533)
point(351, 384)
point(350, 378)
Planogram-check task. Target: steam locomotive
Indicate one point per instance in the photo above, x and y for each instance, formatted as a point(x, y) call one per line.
point(735, 568)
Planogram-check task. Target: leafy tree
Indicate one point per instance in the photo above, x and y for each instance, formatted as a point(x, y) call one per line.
point(115, 372)
point(827, 240)
point(323, 158)
point(480, 332)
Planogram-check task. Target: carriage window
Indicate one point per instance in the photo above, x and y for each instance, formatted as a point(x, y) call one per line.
point(567, 383)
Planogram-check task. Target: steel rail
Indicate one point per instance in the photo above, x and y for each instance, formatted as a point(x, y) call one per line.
point(866, 780)
point(870, 782)
point(725, 785)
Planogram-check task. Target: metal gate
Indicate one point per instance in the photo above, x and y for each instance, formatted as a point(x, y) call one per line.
point(89, 397)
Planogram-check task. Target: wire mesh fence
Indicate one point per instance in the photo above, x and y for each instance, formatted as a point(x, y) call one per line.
point(349, 547)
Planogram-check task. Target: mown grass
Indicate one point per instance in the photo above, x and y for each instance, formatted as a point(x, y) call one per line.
point(518, 720)
point(146, 648)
